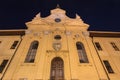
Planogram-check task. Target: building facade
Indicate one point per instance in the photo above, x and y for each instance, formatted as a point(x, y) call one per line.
point(59, 48)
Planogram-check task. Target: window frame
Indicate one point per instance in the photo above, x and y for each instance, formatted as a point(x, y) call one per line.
point(83, 58)
point(3, 65)
point(31, 54)
point(57, 37)
point(108, 66)
point(14, 45)
point(98, 46)
point(114, 46)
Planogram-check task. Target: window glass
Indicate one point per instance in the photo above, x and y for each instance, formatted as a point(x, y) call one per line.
point(81, 53)
point(114, 46)
point(108, 66)
point(57, 37)
point(57, 20)
point(3, 64)
point(32, 52)
point(14, 45)
point(97, 44)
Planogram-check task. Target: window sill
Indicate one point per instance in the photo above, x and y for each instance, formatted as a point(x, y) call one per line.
point(85, 64)
point(28, 64)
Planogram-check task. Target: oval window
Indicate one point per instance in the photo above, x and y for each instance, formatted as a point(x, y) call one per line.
point(57, 20)
point(57, 37)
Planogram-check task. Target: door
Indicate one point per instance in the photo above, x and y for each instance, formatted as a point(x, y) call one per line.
point(57, 69)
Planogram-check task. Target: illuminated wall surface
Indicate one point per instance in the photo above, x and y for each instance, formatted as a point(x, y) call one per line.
point(59, 48)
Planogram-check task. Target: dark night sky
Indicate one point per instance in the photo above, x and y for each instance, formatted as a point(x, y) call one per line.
point(101, 15)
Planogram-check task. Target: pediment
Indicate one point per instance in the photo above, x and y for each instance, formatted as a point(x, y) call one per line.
point(60, 15)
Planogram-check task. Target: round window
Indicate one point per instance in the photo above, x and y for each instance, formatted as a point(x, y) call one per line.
point(57, 20)
point(57, 37)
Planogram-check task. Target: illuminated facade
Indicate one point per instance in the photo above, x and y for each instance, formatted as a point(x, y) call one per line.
point(59, 48)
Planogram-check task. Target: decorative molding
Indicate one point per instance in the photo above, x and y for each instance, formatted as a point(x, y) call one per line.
point(36, 34)
point(63, 19)
point(86, 34)
point(77, 35)
point(28, 31)
point(46, 32)
point(23, 78)
point(53, 51)
point(57, 46)
point(68, 33)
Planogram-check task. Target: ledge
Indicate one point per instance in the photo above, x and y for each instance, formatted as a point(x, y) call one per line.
point(12, 32)
point(104, 34)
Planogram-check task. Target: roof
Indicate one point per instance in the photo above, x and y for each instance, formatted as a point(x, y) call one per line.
point(104, 34)
point(12, 32)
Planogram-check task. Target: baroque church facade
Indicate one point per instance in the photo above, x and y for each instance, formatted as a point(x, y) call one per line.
point(59, 48)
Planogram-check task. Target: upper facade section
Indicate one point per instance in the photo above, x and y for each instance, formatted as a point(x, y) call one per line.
point(58, 17)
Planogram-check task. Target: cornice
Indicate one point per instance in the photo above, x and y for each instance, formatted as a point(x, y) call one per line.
point(12, 32)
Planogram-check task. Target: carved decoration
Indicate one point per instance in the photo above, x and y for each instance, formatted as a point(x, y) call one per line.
point(57, 46)
point(61, 51)
point(68, 32)
point(46, 32)
point(85, 33)
point(28, 31)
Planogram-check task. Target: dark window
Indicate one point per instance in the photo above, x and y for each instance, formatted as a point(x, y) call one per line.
point(81, 53)
point(57, 37)
point(14, 45)
point(57, 20)
point(3, 64)
point(98, 46)
point(32, 52)
point(0, 41)
point(114, 46)
point(57, 69)
point(108, 67)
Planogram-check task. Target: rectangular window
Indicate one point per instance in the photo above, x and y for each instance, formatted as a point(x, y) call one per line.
point(3, 64)
point(114, 46)
point(97, 44)
point(108, 67)
point(14, 45)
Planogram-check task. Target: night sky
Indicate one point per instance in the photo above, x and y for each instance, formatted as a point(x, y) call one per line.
point(101, 15)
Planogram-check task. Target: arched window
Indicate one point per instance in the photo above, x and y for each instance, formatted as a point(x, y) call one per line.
point(32, 52)
point(57, 69)
point(81, 53)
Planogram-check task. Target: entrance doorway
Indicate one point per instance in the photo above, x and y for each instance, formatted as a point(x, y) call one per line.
point(57, 69)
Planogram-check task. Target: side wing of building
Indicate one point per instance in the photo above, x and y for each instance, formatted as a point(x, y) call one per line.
point(9, 43)
point(107, 45)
